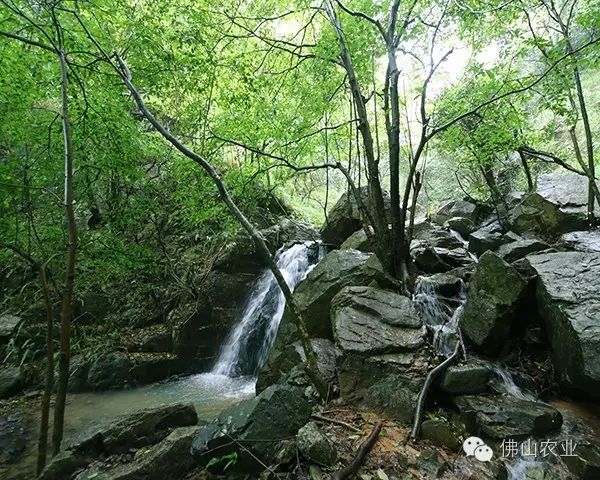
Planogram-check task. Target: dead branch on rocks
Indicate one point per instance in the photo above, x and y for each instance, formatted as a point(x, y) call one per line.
point(431, 377)
point(336, 421)
point(359, 458)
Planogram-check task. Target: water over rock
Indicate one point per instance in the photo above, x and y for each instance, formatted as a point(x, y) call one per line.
point(501, 417)
point(495, 294)
point(568, 294)
point(275, 414)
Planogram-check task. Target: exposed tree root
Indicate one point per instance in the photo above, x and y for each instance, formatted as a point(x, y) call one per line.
point(431, 376)
point(359, 458)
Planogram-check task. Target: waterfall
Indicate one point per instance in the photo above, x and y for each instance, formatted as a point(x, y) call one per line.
point(437, 316)
point(509, 385)
point(247, 346)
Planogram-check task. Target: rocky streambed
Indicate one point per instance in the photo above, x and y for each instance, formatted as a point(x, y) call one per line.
point(520, 290)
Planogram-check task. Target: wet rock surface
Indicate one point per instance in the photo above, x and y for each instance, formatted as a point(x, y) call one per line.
point(568, 294)
point(495, 294)
point(274, 415)
point(500, 417)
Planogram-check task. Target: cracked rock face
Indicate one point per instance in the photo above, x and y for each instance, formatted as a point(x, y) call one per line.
point(568, 295)
point(373, 321)
point(382, 362)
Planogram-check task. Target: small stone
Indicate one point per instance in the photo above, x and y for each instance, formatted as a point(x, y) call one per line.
point(316, 446)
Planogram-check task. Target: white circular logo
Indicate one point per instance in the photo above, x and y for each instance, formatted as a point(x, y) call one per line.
point(475, 446)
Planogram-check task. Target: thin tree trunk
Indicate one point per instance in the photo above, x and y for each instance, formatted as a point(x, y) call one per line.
point(527, 170)
point(311, 358)
point(67, 294)
point(43, 437)
point(376, 204)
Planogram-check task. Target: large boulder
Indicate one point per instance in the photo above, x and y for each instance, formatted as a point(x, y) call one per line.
point(469, 378)
point(567, 191)
point(585, 241)
point(258, 424)
point(140, 429)
point(456, 208)
point(370, 321)
point(568, 297)
point(520, 248)
point(501, 417)
point(169, 458)
point(345, 218)
point(489, 237)
point(536, 214)
point(359, 241)
point(380, 337)
point(11, 381)
point(8, 327)
point(462, 225)
point(338, 269)
point(241, 255)
point(109, 371)
point(435, 249)
point(495, 294)
point(285, 357)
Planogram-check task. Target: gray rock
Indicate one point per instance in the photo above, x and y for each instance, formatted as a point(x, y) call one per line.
point(495, 294)
point(462, 225)
point(436, 250)
point(315, 446)
point(586, 463)
point(8, 327)
point(539, 215)
point(109, 371)
point(170, 458)
point(568, 191)
point(500, 417)
point(583, 241)
point(568, 295)
point(283, 358)
point(11, 381)
point(344, 218)
point(441, 433)
point(358, 241)
point(455, 208)
point(388, 383)
point(338, 269)
point(275, 414)
point(135, 430)
point(520, 248)
point(486, 238)
point(372, 321)
point(466, 379)
point(63, 466)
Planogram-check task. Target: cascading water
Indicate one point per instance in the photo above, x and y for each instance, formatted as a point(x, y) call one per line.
point(247, 346)
point(438, 317)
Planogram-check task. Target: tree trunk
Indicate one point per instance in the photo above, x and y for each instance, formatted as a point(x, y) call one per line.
point(45, 416)
point(67, 294)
